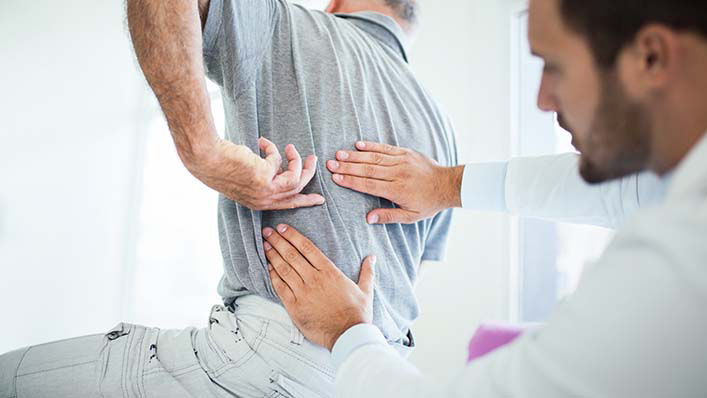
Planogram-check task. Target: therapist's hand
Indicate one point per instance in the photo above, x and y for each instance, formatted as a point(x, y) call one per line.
point(320, 299)
point(417, 184)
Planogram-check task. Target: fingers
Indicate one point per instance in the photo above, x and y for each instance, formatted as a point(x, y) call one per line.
point(380, 148)
point(360, 170)
point(366, 185)
point(310, 168)
point(286, 184)
point(294, 162)
point(285, 256)
point(297, 201)
point(281, 288)
point(367, 276)
point(272, 155)
point(284, 268)
point(367, 157)
point(311, 253)
point(392, 216)
point(290, 179)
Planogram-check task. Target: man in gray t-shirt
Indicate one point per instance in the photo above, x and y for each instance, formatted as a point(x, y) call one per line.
point(312, 79)
point(323, 82)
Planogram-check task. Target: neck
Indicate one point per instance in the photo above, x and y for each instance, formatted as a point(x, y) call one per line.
point(348, 7)
point(680, 119)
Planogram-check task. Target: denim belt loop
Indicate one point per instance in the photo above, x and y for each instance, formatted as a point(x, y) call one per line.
point(296, 337)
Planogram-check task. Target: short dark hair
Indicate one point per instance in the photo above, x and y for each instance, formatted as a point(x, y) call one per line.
point(407, 10)
point(611, 25)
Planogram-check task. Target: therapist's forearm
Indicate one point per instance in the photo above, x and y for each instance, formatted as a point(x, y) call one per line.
point(551, 188)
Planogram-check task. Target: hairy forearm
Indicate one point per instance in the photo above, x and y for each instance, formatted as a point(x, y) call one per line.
point(167, 41)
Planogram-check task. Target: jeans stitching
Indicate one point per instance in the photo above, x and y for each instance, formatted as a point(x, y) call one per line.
point(65, 340)
point(245, 358)
point(123, 368)
point(140, 380)
point(53, 369)
point(176, 372)
point(17, 370)
point(305, 361)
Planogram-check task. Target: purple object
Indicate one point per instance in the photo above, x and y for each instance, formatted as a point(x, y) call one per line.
point(490, 336)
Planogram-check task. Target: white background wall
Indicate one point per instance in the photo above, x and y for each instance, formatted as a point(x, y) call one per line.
point(72, 123)
point(463, 55)
point(68, 127)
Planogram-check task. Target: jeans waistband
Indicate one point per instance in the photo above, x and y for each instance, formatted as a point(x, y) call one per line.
point(256, 305)
point(253, 304)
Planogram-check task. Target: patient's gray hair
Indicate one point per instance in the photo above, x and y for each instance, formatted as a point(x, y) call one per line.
point(406, 10)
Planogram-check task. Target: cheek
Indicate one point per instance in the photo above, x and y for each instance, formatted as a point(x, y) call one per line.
point(579, 97)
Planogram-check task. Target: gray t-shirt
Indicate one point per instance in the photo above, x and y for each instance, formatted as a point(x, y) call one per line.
point(322, 82)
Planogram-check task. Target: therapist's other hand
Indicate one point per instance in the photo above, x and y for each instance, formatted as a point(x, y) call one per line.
point(255, 182)
point(320, 299)
point(417, 184)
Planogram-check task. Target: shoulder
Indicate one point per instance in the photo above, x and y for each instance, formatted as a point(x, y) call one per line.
point(671, 236)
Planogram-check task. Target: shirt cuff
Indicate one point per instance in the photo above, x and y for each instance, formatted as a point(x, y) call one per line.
point(484, 186)
point(355, 337)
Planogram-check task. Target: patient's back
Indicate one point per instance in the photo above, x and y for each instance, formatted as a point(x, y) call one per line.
point(323, 82)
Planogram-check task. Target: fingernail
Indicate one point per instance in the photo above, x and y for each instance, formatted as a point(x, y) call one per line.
point(374, 259)
point(338, 177)
point(267, 232)
point(333, 164)
point(373, 219)
point(360, 144)
point(267, 246)
point(321, 200)
point(342, 155)
point(269, 267)
point(282, 228)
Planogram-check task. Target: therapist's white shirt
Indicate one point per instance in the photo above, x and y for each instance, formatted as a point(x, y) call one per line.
point(636, 325)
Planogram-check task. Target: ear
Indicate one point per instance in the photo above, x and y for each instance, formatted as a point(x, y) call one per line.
point(656, 55)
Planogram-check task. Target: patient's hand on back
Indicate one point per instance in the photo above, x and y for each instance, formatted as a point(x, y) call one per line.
point(255, 182)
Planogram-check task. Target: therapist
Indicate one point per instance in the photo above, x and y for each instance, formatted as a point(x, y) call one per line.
point(630, 79)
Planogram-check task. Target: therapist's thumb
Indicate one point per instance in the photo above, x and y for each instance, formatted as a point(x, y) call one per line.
point(368, 275)
point(392, 216)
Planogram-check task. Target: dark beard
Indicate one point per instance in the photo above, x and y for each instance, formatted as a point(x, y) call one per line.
point(619, 140)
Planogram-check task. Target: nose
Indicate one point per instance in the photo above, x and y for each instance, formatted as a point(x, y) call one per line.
point(546, 98)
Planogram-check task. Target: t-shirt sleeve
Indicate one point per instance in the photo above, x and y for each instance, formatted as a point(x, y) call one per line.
point(236, 37)
point(438, 233)
point(436, 243)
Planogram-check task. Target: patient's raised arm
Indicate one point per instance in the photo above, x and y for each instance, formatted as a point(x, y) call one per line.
point(167, 37)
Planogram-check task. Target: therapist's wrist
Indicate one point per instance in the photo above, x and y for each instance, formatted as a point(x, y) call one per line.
point(451, 186)
point(354, 338)
point(334, 337)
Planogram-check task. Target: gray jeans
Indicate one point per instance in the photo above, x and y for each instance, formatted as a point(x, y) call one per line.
point(252, 350)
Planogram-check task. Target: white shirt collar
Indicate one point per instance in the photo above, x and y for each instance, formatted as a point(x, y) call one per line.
point(689, 179)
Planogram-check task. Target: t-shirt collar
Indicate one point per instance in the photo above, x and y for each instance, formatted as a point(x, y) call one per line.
point(372, 22)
